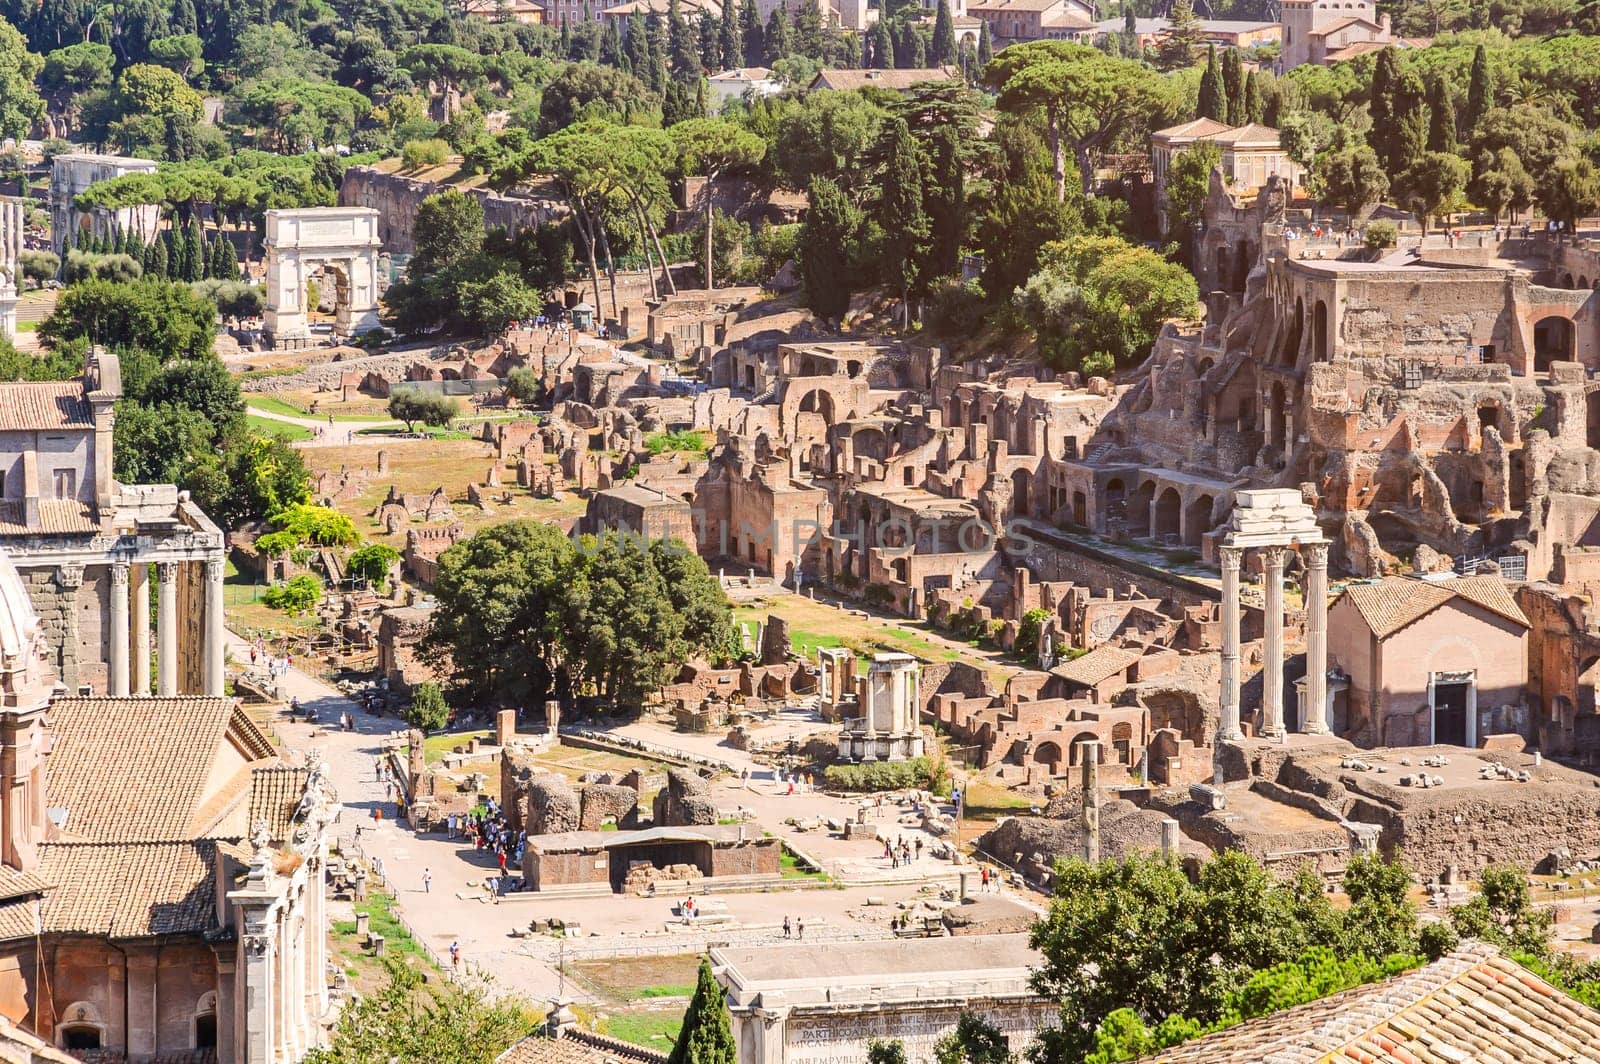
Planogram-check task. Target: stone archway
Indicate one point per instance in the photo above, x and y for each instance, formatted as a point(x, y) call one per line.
point(339, 241)
point(1554, 340)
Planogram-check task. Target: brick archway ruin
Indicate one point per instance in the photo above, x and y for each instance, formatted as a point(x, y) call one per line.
point(342, 241)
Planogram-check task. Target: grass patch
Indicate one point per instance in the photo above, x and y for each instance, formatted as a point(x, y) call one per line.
point(672, 990)
point(624, 979)
point(27, 326)
point(982, 800)
point(263, 426)
point(653, 1028)
point(273, 404)
point(248, 614)
point(276, 371)
point(791, 868)
point(434, 747)
point(679, 441)
point(438, 432)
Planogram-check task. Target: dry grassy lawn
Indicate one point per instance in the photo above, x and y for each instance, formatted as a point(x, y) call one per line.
point(423, 465)
point(623, 979)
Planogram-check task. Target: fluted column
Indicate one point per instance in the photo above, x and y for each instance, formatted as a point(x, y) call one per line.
point(1315, 556)
point(1228, 728)
point(214, 618)
point(1089, 755)
point(118, 684)
point(167, 631)
point(139, 614)
point(1272, 649)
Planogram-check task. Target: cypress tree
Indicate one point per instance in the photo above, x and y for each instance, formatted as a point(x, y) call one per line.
point(1252, 98)
point(708, 40)
point(1442, 117)
point(901, 210)
point(729, 43)
point(183, 18)
point(1213, 103)
point(636, 47)
point(1479, 91)
point(1385, 82)
point(882, 44)
point(750, 31)
point(944, 36)
point(1233, 87)
point(194, 256)
point(160, 262)
point(985, 45)
point(777, 37)
point(707, 1033)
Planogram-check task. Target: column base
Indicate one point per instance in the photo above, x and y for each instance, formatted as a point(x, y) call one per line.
point(1318, 729)
point(1234, 736)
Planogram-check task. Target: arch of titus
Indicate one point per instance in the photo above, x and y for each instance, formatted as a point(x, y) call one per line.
point(1274, 521)
point(341, 241)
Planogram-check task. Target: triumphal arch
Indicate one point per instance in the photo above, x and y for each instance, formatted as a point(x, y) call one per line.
point(341, 244)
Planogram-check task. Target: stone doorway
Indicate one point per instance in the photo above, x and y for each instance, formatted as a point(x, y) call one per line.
point(1452, 698)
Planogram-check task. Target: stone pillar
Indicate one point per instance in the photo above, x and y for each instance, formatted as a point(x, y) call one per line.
point(505, 726)
point(1169, 839)
point(1316, 595)
point(69, 579)
point(117, 684)
point(1089, 755)
point(214, 641)
point(1228, 729)
point(139, 614)
point(167, 630)
point(1272, 644)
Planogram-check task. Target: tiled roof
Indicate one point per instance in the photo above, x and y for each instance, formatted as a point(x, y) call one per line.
point(1254, 133)
point(135, 769)
point(577, 1046)
point(1101, 663)
point(44, 405)
point(129, 890)
point(275, 794)
point(1335, 27)
point(1394, 602)
point(1472, 1007)
point(56, 516)
point(17, 920)
point(1199, 128)
point(18, 884)
point(845, 80)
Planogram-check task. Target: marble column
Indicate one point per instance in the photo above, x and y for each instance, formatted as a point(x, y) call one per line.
point(139, 614)
point(118, 683)
point(1272, 643)
point(1089, 756)
point(214, 642)
point(167, 631)
point(1316, 559)
point(1228, 729)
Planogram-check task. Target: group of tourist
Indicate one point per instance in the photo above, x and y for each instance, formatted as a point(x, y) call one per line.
point(490, 831)
point(901, 852)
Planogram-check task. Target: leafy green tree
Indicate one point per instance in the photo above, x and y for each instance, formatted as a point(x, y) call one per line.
point(1180, 42)
point(262, 475)
point(707, 1033)
point(1503, 913)
point(497, 301)
point(711, 147)
point(317, 526)
point(20, 103)
point(150, 314)
point(71, 73)
point(886, 1052)
point(1381, 919)
point(1433, 185)
point(1500, 183)
point(412, 1017)
point(824, 258)
point(828, 135)
point(974, 1041)
point(296, 596)
point(180, 54)
point(1188, 183)
point(412, 406)
point(372, 563)
point(1569, 191)
point(428, 710)
point(1351, 179)
point(524, 385)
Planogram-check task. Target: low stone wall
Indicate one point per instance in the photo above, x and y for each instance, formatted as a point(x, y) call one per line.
point(396, 198)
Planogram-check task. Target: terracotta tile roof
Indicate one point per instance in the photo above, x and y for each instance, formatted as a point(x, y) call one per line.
point(136, 769)
point(18, 884)
point(1470, 1007)
point(129, 890)
point(1197, 129)
point(1335, 27)
point(18, 920)
point(56, 516)
point(578, 1046)
point(44, 405)
point(1101, 663)
point(1390, 604)
point(847, 80)
point(275, 794)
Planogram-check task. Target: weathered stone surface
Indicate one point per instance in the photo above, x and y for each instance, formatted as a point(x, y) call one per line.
point(686, 800)
point(605, 803)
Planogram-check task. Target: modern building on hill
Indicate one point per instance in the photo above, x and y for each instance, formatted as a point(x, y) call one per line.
point(847, 80)
point(1017, 21)
point(1328, 31)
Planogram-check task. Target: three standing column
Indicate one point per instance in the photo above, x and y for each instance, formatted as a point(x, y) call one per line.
point(139, 581)
point(213, 619)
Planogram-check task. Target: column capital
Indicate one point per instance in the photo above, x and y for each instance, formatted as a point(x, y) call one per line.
point(168, 573)
point(1274, 557)
point(1315, 555)
point(214, 569)
point(69, 577)
point(119, 574)
point(1230, 558)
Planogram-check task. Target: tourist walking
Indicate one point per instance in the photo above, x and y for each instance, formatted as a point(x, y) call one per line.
point(786, 928)
point(427, 881)
point(800, 929)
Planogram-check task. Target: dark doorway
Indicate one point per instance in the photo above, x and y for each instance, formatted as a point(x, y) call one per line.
point(1450, 713)
point(205, 1031)
point(80, 1037)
